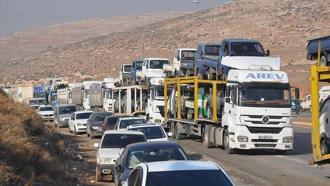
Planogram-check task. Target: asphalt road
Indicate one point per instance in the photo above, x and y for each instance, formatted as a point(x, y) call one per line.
point(245, 168)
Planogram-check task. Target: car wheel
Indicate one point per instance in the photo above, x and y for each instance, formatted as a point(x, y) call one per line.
point(324, 147)
point(91, 135)
point(226, 143)
point(87, 134)
point(98, 175)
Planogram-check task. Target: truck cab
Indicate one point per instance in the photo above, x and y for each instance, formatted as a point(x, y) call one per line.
point(92, 94)
point(257, 111)
point(136, 67)
point(124, 75)
point(108, 100)
point(155, 103)
point(184, 61)
point(152, 68)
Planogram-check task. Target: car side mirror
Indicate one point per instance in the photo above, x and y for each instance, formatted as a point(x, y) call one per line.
point(119, 168)
point(96, 145)
point(267, 52)
point(227, 100)
point(169, 134)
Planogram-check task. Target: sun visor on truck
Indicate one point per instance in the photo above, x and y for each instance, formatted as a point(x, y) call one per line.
point(252, 63)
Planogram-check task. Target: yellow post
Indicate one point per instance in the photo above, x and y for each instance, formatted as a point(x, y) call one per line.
point(179, 100)
point(165, 101)
point(319, 54)
point(195, 99)
point(214, 101)
point(315, 113)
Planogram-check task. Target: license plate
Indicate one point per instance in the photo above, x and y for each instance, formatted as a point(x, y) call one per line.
point(265, 137)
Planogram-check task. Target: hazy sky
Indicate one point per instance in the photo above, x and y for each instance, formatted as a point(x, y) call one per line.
point(18, 15)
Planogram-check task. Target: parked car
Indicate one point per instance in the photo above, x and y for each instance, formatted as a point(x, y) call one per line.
point(78, 121)
point(179, 173)
point(123, 123)
point(94, 124)
point(153, 132)
point(111, 145)
point(62, 114)
point(137, 153)
point(46, 112)
point(110, 122)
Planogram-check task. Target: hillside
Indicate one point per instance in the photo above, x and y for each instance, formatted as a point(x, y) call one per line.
point(20, 44)
point(283, 26)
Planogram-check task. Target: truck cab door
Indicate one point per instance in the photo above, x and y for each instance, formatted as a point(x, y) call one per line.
point(230, 108)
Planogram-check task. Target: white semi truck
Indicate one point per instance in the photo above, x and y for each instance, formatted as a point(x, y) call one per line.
point(108, 85)
point(155, 104)
point(250, 110)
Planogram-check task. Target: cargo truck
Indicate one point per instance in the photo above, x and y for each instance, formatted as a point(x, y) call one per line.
point(75, 92)
point(92, 95)
point(155, 103)
point(108, 85)
point(250, 110)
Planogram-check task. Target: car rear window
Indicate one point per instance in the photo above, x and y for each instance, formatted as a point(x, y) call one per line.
point(121, 140)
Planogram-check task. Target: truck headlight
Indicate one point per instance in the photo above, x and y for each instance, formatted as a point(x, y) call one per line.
point(288, 139)
point(242, 139)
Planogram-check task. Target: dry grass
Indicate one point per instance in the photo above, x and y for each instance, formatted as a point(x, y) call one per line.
point(28, 149)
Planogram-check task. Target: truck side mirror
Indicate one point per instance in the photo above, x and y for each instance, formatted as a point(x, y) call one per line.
point(297, 93)
point(119, 168)
point(267, 52)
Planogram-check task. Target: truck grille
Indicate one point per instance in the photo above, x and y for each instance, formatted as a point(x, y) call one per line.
point(257, 119)
point(269, 130)
point(265, 145)
point(264, 140)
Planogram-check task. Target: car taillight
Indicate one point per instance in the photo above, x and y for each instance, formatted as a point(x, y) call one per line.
point(104, 126)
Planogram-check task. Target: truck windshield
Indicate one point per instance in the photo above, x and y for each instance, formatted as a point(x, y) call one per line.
point(138, 65)
point(265, 96)
point(157, 64)
point(212, 50)
point(188, 55)
point(127, 68)
point(247, 49)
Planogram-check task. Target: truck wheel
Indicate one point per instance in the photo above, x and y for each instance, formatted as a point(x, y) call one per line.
point(324, 147)
point(178, 136)
point(226, 143)
point(98, 175)
point(206, 137)
point(323, 61)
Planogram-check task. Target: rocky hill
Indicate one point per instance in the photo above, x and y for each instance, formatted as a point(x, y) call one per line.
point(283, 26)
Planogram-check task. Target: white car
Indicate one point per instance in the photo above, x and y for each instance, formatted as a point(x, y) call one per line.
point(325, 127)
point(153, 132)
point(111, 146)
point(177, 173)
point(78, 121)
point(124, 122)
point(46, 112)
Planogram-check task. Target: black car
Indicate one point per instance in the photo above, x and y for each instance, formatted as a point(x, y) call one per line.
point(110, 122)
point(94, 124)
point(146, 152)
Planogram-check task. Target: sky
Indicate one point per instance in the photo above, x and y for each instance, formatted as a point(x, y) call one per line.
point(19, 15)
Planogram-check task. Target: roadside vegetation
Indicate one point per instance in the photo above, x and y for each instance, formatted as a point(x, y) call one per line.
point(30, 152)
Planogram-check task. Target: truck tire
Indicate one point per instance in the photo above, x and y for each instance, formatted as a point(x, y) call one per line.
point(323, 61)
point(226, 143)
point(206, 137)
point(178, 135)
point(324, 147)
point(98, 175)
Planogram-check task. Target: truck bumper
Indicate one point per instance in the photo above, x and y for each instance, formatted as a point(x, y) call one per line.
point(242, 138)
point(106, 169)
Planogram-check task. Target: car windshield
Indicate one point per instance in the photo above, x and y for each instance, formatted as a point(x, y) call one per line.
point(157, 64)
point(188, 55)
point(83, 115)
point(67, 110)
point(151, 132)
point(138, 65)
point(188, 178)
point(100, 117)
point(45, 108)
point(125, 123)
point(247, 49)
point(121, 140)
point(127, 68)
point(265, 96)
point(212, 50)
point(154, 154)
